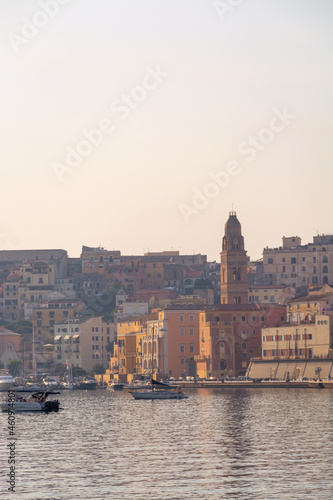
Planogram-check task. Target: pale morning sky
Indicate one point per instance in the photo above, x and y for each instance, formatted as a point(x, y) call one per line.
point(201, 106)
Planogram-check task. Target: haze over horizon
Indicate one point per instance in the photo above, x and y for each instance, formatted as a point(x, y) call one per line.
point(140, 126)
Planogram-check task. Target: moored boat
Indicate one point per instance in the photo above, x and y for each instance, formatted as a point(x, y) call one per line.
point(316, 384)
point(88, 384)
point(116, 386)
point(6, 380)
point(159, 394)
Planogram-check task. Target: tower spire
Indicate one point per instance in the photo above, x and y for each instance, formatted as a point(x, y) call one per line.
point(234, 287)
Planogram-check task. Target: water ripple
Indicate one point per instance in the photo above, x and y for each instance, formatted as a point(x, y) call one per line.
point(246, 444)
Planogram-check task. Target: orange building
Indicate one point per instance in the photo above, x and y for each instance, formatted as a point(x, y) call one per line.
point(177, 342)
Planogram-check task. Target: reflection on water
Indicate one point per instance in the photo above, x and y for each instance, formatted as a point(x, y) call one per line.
point(233, 444)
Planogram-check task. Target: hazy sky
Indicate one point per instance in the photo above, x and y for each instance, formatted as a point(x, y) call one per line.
point(201, 106)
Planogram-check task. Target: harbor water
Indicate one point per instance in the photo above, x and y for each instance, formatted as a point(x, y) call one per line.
point(237, 444)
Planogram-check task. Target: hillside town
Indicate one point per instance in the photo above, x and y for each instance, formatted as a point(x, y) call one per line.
point(100, 313)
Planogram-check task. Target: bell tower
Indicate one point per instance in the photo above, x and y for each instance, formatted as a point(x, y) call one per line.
point(234, 286)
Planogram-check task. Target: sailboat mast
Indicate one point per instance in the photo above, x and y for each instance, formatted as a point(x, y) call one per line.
point(34, 367)
point(152, 357)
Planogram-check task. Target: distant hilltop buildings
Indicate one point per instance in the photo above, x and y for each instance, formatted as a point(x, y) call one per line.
point(205, 318)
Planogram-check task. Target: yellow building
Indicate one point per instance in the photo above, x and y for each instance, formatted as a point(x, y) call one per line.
point(126, 360)
point(299, 341)
point(36, 283)
point(51, 312)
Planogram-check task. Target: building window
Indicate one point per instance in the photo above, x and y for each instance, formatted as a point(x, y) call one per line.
point(182, 361)
point(191, 332)
point(191, 317)
point(325, 269)
point(314, 260)
point(182, 348)
point(270, 261)
point(181, 317)
point(191, 348)
point(293, 260)
point(182, 331)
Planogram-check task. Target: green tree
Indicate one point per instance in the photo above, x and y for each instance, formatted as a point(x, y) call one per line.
point(98, 370)
point(203, 283)
point(109, 347)
point(22, 326)
point(15, 367)
point(60, 369)
point(1, 365)
point(77, 371)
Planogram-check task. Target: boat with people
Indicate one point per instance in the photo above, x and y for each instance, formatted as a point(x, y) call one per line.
point(25, 400)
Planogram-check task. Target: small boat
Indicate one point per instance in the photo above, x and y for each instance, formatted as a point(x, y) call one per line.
point(51, 383)
point(6, 380)
point(36, 401)
point(69, 386)
point(88, 384)
point(328, 383)
point(116, 386)
point(159, 390)
point(316, 384)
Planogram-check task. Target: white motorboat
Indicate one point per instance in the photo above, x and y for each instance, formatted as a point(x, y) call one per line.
point(35, 401)
point(6, 380)
point(88, 384)
point(51, 383)
point(69, 386)
point(116, 386)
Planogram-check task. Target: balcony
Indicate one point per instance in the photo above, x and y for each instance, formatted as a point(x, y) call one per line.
point(201, 357)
